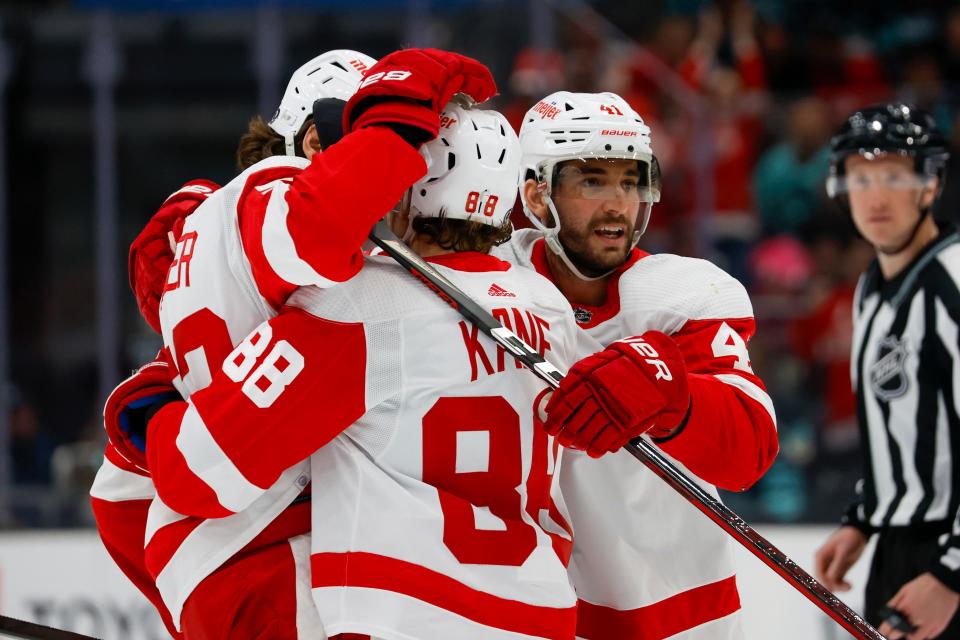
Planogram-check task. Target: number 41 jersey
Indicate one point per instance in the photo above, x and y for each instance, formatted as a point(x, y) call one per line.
point(646, 563)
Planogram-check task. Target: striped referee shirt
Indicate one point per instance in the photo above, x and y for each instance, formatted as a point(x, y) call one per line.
point(906, 372)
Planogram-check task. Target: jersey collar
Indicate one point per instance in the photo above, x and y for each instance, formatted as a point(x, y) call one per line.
point(472, 261)
point(588, 316)
point(898, 287)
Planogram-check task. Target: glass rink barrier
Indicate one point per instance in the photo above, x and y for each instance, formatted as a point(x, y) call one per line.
point(66, 580)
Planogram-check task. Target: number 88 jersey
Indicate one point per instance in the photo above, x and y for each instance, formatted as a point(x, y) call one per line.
point(211, 301)
point(434, 507)
point(436, 518)
point(276, 226)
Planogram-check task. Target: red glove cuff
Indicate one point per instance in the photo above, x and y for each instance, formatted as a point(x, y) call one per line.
point(153, 378)
point(151, 252)
point(403, 112)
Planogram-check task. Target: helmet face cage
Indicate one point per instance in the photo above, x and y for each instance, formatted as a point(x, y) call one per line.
point(472, 168)
point(567, 126)
point(334, 74)
point(892, 129)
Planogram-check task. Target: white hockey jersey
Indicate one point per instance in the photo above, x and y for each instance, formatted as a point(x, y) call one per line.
point(210, 303)
point(646, 564)
point(276, 226)
point(433, 509)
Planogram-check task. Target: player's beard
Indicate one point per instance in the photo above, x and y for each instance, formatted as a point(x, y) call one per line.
point(591, 261)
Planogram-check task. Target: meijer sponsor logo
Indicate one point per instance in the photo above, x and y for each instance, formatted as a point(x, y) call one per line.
point(547, 111)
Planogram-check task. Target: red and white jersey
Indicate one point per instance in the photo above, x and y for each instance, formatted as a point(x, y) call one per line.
point(210, 303)
point(239, 256)
point(279, 225)
point(646, 563)
point(120, 498)
point(433, 513)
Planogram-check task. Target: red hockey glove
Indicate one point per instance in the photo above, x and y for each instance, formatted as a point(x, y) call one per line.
point(152, 251)
point(635, 386)
point(410, 88)
point(132, 404)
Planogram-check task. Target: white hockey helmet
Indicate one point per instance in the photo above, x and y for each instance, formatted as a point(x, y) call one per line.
point(334, 74)
point(472, 168)
point(580, 126)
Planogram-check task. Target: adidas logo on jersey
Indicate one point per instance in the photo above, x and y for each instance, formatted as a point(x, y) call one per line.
point(497, 290)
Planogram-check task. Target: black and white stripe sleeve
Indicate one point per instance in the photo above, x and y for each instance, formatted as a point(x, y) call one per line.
point(854, 515)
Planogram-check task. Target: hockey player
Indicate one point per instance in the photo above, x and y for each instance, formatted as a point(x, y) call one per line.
point(646, 564)
point(670, 614)
point(248, 246)
point(887, 168)
point(123, 490)
point(433, 508)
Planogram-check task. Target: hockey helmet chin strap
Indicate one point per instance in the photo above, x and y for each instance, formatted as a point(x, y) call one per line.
point(924, 212)
point(906, 243)
point(551, 235)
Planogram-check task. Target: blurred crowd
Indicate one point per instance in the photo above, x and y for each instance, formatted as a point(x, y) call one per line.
point(742, 98)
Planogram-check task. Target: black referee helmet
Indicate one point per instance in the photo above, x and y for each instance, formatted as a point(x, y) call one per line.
point(894, 128)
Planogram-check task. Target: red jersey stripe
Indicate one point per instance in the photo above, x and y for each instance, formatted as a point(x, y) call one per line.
point(685, 610)
point(374, 571)
point(166, 541)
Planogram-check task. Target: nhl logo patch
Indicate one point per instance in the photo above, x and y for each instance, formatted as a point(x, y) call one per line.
point(582, 315)
point(888, 375)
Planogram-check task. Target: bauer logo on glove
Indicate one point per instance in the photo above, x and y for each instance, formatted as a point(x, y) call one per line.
point(634, 386)
point(650, 356)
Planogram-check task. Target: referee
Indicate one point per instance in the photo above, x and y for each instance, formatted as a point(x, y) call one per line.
point(887, 168)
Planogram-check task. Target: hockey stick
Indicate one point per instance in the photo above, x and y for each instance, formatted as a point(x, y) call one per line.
point(33, 631)
point(645, 452)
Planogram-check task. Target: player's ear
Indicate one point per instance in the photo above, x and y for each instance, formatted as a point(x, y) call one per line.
point(311, 142)
point(533, 196)
point(399, 220)
point(399, 217)
point(929, 193)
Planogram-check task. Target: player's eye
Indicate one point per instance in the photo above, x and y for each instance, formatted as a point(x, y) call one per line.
point(900, 180)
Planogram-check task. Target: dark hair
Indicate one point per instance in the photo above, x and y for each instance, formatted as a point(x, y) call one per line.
point(462, 235)
point(260, 141)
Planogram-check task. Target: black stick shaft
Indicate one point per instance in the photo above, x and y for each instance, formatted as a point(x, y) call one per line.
point(33, 631)
point(640, 448)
